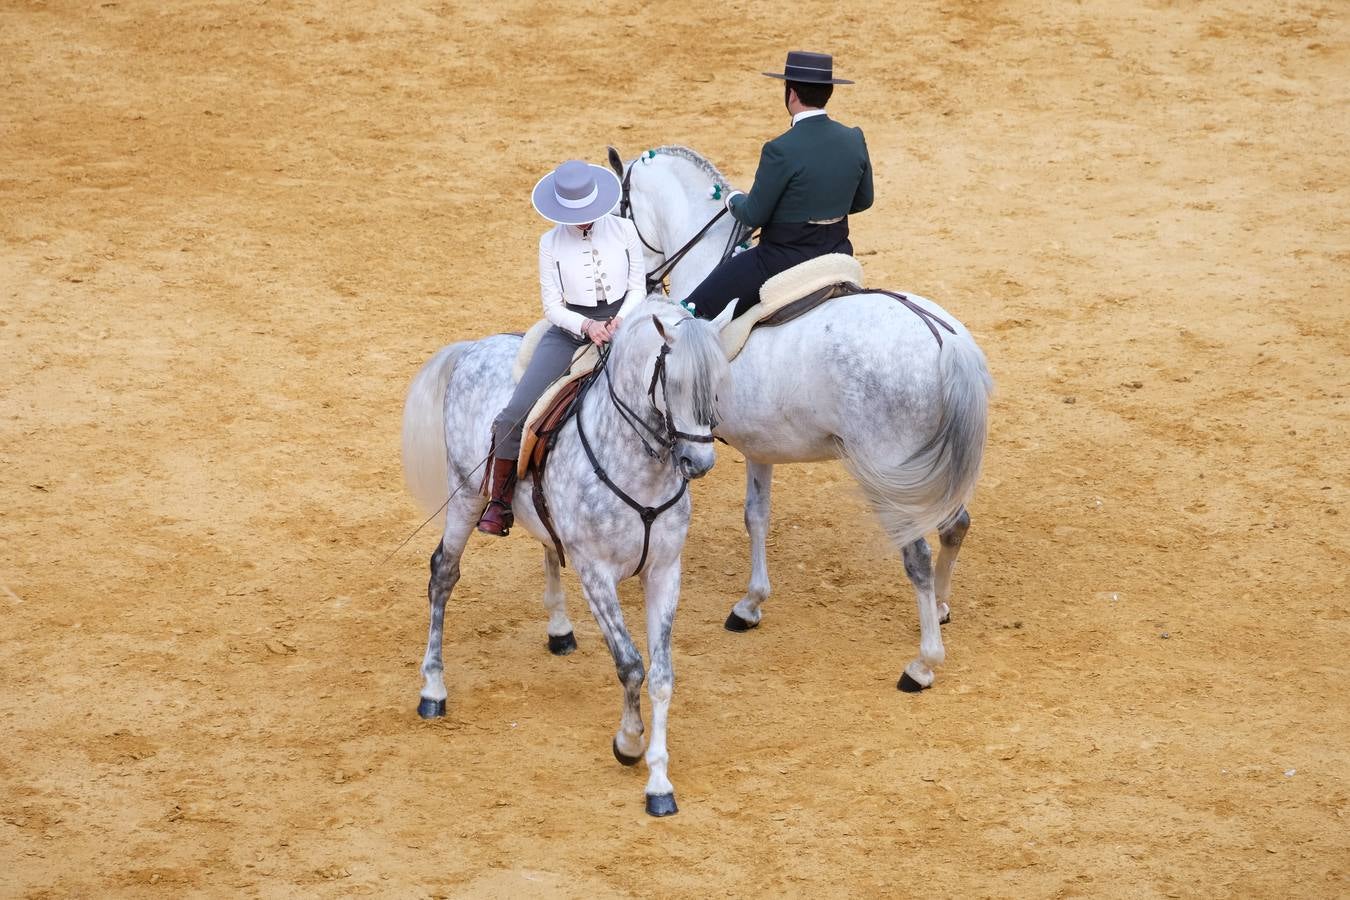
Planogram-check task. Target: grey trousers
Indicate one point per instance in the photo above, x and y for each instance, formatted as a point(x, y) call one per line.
point(551, 358)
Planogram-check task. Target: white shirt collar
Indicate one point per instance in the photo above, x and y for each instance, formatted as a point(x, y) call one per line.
point(806, 114)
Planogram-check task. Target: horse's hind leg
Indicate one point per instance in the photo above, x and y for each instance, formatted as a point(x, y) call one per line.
point(758, 481)
point(604, 602)
point(459, 522)
point(561, 640)
point(951, 534)
point(919, 567)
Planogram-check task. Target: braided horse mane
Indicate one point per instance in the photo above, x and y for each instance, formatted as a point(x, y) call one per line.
point(693, 156)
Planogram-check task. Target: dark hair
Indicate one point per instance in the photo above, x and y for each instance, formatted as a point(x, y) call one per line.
point(814, 95)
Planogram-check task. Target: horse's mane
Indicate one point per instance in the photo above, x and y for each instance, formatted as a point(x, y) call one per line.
point(658, 304)
point(699, 367)
point(693, 156)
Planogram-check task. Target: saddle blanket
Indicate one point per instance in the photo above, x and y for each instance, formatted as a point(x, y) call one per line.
point(788, 286)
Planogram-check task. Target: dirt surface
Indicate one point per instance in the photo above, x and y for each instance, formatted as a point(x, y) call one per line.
point(231, 232)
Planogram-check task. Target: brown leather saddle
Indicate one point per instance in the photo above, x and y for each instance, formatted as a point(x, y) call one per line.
point(545, 429)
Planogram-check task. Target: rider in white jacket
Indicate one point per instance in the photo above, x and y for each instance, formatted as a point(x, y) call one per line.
point(590, 274)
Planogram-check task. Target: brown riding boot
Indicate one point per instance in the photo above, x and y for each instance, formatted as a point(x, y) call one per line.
point(497, 519)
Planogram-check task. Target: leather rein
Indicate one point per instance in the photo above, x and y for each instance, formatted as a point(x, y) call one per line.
point(656, 277)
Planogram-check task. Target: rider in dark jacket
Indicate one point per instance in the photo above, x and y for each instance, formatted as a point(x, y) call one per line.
point(809, 180)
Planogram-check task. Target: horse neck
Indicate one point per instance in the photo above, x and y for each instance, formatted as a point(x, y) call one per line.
point(680, 204)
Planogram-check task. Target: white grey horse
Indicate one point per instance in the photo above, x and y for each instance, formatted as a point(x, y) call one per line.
point(865, 379)
point(665, 367)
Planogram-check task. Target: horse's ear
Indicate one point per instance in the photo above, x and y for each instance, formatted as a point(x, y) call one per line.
point(728, 312)
point(615, 162)
point(666, 336)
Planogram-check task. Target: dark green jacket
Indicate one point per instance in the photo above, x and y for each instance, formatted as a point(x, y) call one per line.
point(817, 169)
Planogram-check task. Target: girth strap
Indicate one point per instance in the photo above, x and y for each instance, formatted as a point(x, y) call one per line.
point(541, 508)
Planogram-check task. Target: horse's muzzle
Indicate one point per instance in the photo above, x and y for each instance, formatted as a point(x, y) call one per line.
point(695, 464)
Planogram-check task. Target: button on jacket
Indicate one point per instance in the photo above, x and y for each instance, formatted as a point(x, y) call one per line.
point(602, 266)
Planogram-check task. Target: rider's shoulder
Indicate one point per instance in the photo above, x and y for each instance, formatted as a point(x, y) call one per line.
point(777, 148)
point(550, 237)
point(846, 128)
point(620, 223)
point(849, 132)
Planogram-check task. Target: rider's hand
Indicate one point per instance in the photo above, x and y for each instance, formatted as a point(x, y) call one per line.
point(596, 332)
point(613, 325)
point(731, 194)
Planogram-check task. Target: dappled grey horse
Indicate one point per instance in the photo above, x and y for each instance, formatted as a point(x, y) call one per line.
point(897, 390)
point(641, 432)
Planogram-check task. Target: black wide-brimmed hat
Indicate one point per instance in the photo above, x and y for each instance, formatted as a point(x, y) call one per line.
point(810, 68)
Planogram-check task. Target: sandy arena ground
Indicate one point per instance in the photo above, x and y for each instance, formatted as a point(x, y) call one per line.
point(231, 232)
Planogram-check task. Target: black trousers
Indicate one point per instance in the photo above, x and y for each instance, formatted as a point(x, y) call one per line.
point(780, 247)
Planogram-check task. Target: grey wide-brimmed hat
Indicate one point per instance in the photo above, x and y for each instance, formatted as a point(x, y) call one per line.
point(576, 193)
point(811, 68)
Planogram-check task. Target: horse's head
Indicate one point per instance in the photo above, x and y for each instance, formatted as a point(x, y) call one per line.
point(682, 368)
point(670, 193)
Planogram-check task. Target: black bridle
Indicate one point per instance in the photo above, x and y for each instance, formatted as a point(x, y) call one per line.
point(626, 205)
point(656, 277)
point(666, 440)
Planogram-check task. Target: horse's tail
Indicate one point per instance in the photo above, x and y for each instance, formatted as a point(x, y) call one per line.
point(424, 462)
point(930, 487)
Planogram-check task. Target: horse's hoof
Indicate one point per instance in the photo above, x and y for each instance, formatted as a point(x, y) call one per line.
point(737, 624)
point(909, 685)
point(431, 709)
point(945, 619)
point(661, 805)
point(561, 645)
point(623, 757)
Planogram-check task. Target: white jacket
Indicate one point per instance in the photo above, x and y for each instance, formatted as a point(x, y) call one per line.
point(568, 270)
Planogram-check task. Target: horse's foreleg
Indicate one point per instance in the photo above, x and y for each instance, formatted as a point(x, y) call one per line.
point(662, 588)
point(561, 640)
point(444, 575)
point(919, 567)
point(758, 481)
point(603, 599)
point(951, 534)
